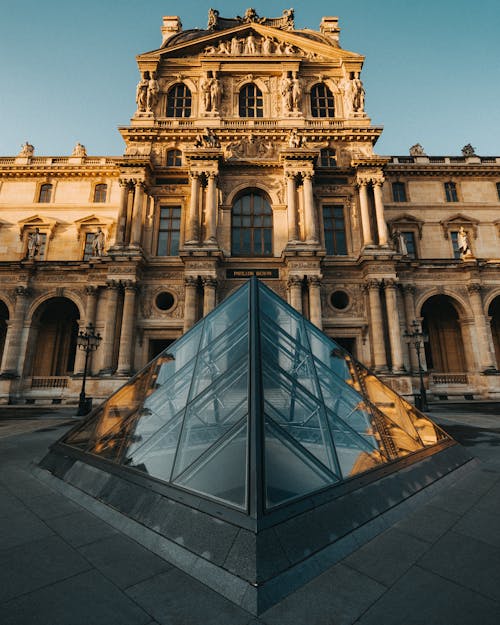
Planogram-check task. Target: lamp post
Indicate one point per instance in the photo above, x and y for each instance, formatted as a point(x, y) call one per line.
point(417, 337)
point(89, 341)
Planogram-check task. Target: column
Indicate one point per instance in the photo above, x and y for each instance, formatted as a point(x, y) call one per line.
point(383, 235)
point(315, 316)
point(484, 348)
point(291, 213)
point(15, 334)
point(135, 236)
point(90, 314)
point(365, 213)
point(394, 327)
point(311, 227)
point(294, 285)
point(211, 215)
point(376, 326)
point(209, 294)
point(127, 332)
point(122, 214)
point(410, 315)
point(191, 284)
point(110, 324)
point(193, 227)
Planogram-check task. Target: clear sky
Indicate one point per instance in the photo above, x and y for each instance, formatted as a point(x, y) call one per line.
point(432, 70)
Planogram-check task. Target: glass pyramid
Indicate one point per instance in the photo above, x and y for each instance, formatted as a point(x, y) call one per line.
point(253, 408)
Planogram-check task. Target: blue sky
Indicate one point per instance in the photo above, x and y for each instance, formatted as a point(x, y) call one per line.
point(432, 70)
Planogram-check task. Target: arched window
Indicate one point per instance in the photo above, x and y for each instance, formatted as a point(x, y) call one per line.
point(100, 192)
point(251, 101)
point(322, 104)
point(179, 101)
point(327, 158)
point(45, 193)
point(174, 158)
point(252, 225)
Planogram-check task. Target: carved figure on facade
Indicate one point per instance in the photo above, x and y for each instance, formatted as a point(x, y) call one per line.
point(213, 16)
point(251, 46)
point(296, 92)
point(153, 91)
point(285, 22)
point(215, 88)
point(79, 150)
point(286, 92)
point(141, 92)
point(98, 243)
point(468, 150)
point(358, 104)
point(207, 140)
point(27, 149)
point(417, 150)
point(251, 147)
point(295, 140)
point(34, 243)
point(463, 243)
point(399, 242)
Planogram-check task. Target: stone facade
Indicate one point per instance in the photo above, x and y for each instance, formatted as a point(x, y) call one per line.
point(250, 152)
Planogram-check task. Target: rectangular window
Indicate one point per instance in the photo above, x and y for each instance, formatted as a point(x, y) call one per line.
point(454, 242)
point(399, 192)
point(45, 193)
point(334, 227)
point(498, 190)
point(169, 231)
point(410, 244)
point(100, 192)
point(87, 251)
point(450, 189)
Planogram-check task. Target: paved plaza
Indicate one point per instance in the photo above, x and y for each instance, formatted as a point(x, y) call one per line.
point(63, 566)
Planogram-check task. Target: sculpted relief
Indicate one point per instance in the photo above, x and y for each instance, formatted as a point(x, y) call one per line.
point(253, 45)
point(251, 147)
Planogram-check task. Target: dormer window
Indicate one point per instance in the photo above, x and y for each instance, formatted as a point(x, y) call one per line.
point(322, 102)
point(179, 101)
point(251, 101)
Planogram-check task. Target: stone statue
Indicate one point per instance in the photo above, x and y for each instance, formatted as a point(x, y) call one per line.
point(98, 243)
point(468, 150)
point(250, 16)
point(286, 92)
point(463, 243)
point(205, 91)
point(296, 92)
point(250, 47)
point(213, 16)
point(223, 49)
point(141, 92)
point(152, 93)
point(235, 47)
point(215, 94)
point(27, 150)
point(295, 140)
point(347, 88)
point(400, 242)
point(289, 49)
point(34, 243)
point(267, 46)
point(358, 102)
point(79, 150)
point(208, 140)
point(417, 150)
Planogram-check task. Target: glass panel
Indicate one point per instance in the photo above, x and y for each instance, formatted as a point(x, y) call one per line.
point(289, 472)
point(228, 313)
point(221, 473)
point(212, 414)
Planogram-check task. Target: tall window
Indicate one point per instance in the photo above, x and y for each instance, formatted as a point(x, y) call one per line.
point(454, 242)
point(410, 244)
point(322, 103)
point(45, 193)
point(399, 192)
point(100, 192)
point(252, 226)
point(498, 190)
point(169, 231)
point(87, 250)
point(450, 189)
point(179, 101)
point(174, 158)
point(334, 227)
point(327, 158)
point(251, 101)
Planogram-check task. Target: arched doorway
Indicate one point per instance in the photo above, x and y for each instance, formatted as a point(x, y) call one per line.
point(444, 350)
point(494, 313)
point(4, 317)
point(55, 324)
point(252, 224)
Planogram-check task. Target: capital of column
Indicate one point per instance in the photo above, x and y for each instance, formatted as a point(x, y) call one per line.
point(124, 183)
point(307, 175)
point(22, 291)
point(209, 282)
point(139, 184)
point(190, 281)
point(410, 289)
point(390, 284)
point(113, 284)
point(373, 284)
point(194, 175)
point(294, 281)
point(314, 281)
point(378, 182)
point(91, 290)
point(129, 285)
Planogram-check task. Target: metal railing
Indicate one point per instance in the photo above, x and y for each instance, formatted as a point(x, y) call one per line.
point(449, 378)
point(50, 381)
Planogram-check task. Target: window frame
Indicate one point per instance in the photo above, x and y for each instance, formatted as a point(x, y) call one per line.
point(176, 102)
point(169, 230)
point(451, 192)
point(399, 192)
point(98, 190)
point(243, 102)
point(316, 101)
point(327, 156)
point(414, 237)
point(454, 244)
point(240, 251)
point(331, 239)
point(177, 158)
point(41, 191)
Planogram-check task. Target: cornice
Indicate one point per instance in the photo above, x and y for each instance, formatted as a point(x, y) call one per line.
point(48, 171)
point(446, 169)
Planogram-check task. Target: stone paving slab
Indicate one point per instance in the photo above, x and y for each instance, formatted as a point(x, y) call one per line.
point(80, 528)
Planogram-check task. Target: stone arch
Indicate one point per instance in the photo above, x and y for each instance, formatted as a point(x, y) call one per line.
point(459, 302)
point(53, 294)
point(4, 318)
point(52, 340)
point(494, 315)
point(442, 322)
point(239, 189)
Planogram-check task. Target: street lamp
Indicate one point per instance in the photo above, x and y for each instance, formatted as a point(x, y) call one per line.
point(417, 337)
point(89, 341)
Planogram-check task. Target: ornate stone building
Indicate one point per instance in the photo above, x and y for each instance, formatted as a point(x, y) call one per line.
point(250, 152)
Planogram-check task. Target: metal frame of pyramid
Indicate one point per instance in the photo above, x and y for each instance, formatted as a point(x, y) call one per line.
point(258, 431)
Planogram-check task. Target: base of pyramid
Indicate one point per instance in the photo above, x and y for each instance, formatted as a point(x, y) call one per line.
point(255, 567)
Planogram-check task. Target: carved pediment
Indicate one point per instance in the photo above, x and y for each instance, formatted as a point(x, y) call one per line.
point(91, 222)
point(406, 220)
point(455, 221)
point(44, 224)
